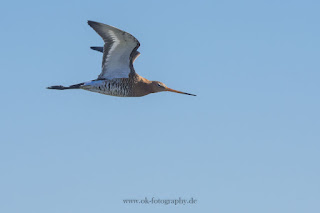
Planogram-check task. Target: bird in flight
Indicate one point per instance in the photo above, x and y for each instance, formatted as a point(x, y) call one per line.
point(118, 77)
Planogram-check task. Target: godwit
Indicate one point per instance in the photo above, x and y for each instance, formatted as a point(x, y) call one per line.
point(118, 77)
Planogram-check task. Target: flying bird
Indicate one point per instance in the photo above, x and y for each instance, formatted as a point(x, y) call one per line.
point(118, 77)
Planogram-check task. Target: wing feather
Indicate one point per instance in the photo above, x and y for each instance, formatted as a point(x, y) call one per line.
point(119, 51)
point(134, 57)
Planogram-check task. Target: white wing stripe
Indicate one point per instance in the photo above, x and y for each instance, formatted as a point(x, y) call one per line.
point(116, 42)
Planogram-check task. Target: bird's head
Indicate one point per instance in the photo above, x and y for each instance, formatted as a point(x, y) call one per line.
point(158, 86)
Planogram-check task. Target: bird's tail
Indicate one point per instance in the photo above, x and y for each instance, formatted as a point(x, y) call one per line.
point(75, 86)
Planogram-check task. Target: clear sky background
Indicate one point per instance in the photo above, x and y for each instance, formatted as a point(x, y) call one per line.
point(249, 142)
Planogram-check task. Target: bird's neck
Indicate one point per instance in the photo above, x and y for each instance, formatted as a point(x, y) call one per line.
point(143, 86)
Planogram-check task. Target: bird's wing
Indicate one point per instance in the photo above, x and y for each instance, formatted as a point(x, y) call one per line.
point(100, 49)
point(118, 52)
point(134, 57)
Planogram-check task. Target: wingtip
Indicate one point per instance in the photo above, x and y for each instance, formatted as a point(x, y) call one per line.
point(93, 23)
point(99, 49)
point(90, 23)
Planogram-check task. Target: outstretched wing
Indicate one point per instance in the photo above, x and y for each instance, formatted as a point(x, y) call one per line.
point(134, 57)
point(118, 51)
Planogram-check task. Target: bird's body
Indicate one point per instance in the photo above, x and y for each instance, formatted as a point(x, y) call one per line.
point(118, 77)
point(136, 86)
point(121, 87)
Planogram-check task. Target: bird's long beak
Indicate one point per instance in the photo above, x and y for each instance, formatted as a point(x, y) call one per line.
point(172, 90)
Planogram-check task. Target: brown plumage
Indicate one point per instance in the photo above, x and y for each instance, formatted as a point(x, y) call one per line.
point(118, 77)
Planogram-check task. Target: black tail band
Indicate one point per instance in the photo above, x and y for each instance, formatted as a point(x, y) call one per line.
point(76, 86)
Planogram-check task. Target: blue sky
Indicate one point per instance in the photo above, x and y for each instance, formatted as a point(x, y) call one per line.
point(249, 142)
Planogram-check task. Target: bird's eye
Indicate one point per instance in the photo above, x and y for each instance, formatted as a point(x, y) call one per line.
point(159, 85)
